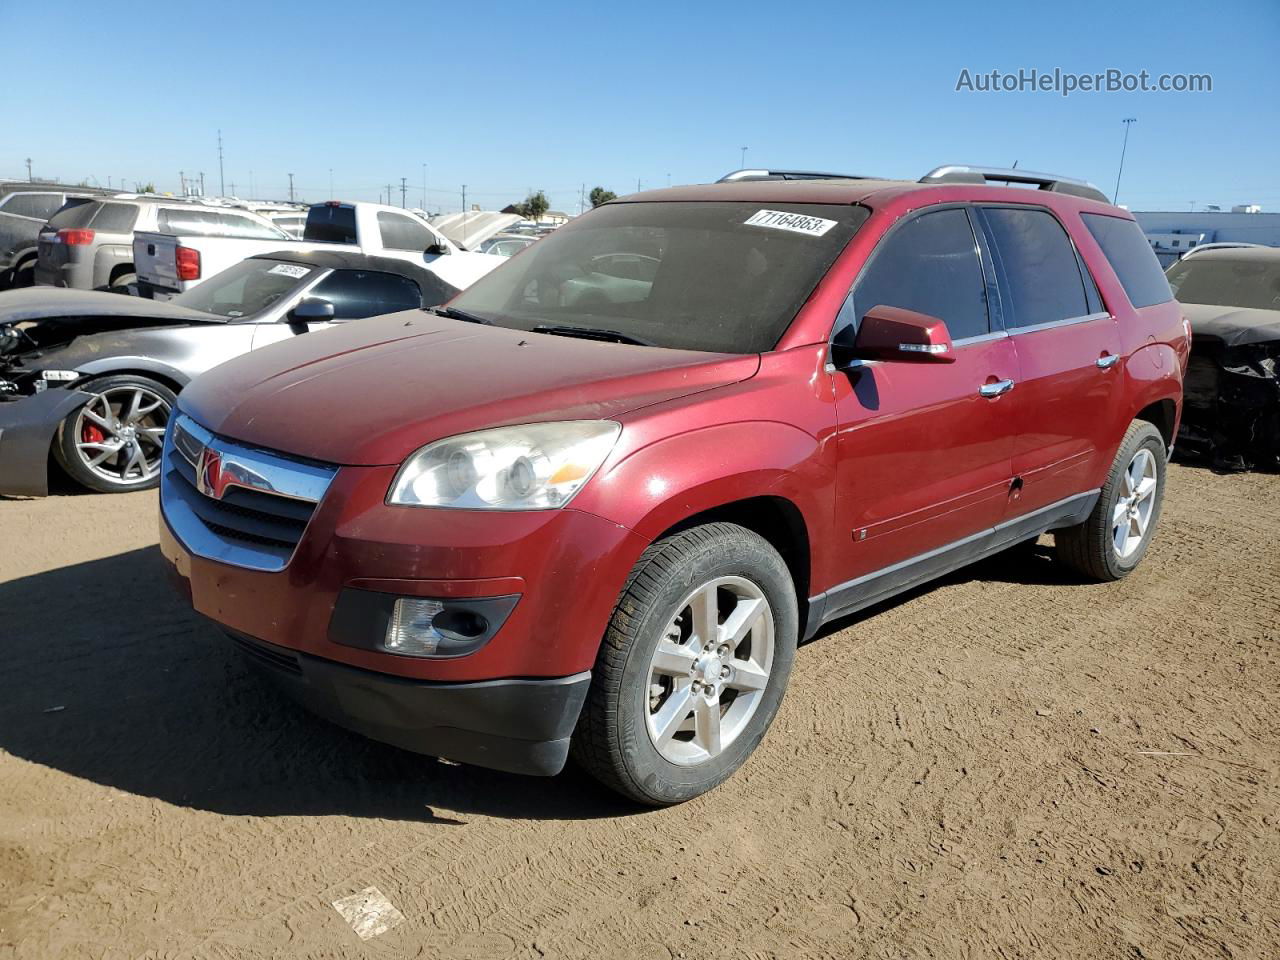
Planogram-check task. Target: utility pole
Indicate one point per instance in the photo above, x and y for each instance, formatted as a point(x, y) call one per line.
point(233, 188)
point(291, 188)
point(637, 184)
point(744, 159)
point(403, 188)
point(582, 199)
point(29, 177)
point(1115, 197)
point(183, 181)
point(222, 183)
point(464, 201)
point(202, 183)
point(388, 194)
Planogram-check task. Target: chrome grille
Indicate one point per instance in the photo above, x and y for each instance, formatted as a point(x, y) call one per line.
point(237, 504)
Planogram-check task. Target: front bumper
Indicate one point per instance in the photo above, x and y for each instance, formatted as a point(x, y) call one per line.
point(516, 725)
point(27, 427)
point(318, 615)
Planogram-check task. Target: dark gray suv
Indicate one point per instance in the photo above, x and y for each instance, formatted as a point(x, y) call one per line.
point(24, 209)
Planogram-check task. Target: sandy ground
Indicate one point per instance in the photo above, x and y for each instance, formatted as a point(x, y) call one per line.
point(1008, 764)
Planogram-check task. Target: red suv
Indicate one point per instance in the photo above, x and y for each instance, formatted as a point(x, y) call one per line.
point(593, 504)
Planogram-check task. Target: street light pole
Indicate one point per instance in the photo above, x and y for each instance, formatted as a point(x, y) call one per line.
point(1115, 197)
point(291, 188)
point(743, 164)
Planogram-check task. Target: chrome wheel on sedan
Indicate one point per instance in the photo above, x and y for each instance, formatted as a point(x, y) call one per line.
point(709, 671)
point(115, 441)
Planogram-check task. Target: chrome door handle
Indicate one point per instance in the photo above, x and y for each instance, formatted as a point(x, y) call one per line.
point(1107, 362)
point(995, 389)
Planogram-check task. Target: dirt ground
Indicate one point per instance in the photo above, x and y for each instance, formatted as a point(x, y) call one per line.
point(1007, 764)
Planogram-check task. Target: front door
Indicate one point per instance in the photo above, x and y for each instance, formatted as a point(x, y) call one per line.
point(923, 449)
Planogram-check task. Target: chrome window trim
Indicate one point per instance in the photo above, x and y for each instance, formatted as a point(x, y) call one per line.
point(1052, 324)
point(980, 338)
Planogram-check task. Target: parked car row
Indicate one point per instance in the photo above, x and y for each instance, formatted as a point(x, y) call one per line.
point(24, 210)
point(93, 376)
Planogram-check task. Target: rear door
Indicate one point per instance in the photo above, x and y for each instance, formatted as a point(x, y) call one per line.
point(1068, 351)
point(924, 452)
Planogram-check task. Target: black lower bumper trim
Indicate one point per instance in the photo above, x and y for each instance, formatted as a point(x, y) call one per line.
point(517, 725)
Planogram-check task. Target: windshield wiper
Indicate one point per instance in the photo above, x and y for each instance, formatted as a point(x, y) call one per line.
point(455, 314)
point(592, 333)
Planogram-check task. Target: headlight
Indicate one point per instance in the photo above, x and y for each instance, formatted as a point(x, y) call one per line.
point(536, 466)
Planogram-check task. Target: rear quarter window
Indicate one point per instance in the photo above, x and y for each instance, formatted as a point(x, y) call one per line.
point(331, 224)
point(1131, 257)
point(115, 218)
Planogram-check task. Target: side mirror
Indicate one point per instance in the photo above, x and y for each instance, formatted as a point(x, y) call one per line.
point(893, 333)
point(438, 250)
point(311, 310)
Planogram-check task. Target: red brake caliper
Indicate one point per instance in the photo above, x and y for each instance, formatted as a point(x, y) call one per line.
point(92, 433)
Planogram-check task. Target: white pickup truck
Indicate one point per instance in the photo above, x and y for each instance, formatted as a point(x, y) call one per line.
point(379, 230)
point(192, 245)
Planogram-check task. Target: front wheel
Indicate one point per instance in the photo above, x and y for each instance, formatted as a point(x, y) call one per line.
point(1115, 538)
point(113, 443)
point(693, 665)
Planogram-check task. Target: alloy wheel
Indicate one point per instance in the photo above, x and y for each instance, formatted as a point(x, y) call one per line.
point(1131, 517)
point(119, 434)
point(708, 674)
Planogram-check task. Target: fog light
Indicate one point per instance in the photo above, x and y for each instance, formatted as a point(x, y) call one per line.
point(412, 630)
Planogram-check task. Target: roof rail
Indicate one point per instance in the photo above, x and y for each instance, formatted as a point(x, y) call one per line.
point(788, 175)
point(959, 173)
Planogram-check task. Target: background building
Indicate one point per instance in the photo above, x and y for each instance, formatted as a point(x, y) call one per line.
point(1173, 233)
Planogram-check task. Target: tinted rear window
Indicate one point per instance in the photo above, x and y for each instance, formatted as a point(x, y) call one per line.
point(75, 216)
point(1038, 267)
point(1131, 257)
point(326, 224)
point(115, 218)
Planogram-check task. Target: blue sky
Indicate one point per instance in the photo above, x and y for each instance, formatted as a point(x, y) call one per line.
point(511, 96)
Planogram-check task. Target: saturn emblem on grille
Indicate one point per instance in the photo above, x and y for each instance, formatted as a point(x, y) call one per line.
point(209, 475)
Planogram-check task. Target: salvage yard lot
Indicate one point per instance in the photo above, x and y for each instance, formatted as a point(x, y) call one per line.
point(1008, 763)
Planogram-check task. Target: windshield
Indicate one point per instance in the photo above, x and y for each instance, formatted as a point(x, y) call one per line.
point(1248, 283)
point(726, 277)
point(246, 289)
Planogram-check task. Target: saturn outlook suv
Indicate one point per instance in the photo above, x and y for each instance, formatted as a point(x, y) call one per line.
point(591, 506)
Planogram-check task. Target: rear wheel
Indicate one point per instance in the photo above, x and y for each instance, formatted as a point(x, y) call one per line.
point(1115, 538)
point(693, 665)
point(113, 443)
point(24, 275)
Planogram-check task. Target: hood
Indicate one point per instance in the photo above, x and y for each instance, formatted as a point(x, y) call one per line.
point(1234, 326)
point(469, 230)
point(374, 391)
point(44, 303)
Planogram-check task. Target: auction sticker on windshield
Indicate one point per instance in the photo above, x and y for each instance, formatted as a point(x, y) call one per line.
point(795, 222)
point(290, 270)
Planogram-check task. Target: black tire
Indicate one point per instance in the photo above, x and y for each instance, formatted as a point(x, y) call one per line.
point(1088, 548)
point(71, 431)
point(24, 275)
point(612, 741)
point(121, 283)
